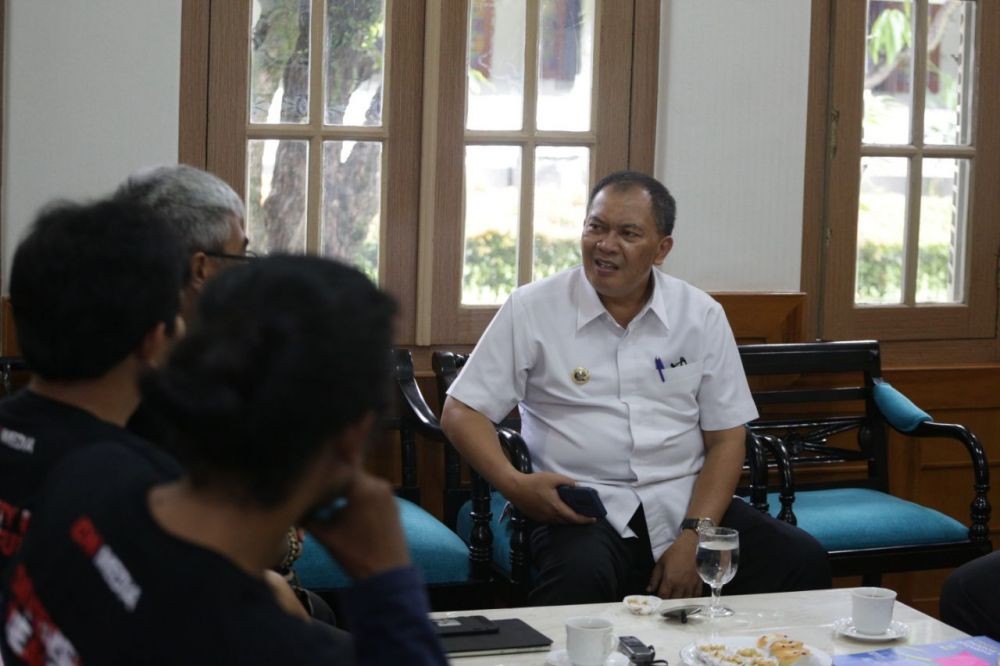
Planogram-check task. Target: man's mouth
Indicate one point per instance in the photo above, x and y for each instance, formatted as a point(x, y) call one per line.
point(605, 265)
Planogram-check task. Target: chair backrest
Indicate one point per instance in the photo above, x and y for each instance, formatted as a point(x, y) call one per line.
point(818, 399)
point(416, 417)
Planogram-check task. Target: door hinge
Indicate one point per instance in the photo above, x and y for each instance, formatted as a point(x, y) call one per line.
point(834, 121)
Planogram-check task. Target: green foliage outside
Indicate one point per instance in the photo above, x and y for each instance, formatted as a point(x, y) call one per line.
point(880, 268)
point(491, 262)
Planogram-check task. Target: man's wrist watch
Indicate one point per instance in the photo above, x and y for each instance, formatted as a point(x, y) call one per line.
point(697, 524)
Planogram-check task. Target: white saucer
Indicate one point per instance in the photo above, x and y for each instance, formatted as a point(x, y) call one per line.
point(845, 627)
point(561, 658)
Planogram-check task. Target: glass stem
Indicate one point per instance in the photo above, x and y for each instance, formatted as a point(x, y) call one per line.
point(716, 601)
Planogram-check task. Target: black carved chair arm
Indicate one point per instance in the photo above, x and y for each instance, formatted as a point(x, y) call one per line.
point(777, 451)
point(979, 509)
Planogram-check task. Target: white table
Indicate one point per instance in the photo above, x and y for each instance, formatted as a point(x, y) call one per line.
point(805, 616)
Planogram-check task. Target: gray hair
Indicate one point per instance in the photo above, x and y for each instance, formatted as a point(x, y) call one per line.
point(196, 203)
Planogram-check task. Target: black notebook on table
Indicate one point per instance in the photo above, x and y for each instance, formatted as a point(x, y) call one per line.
point(512, 636)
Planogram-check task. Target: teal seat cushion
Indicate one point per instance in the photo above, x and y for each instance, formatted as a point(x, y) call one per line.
point(897, 408)
point(438, 552)
point(856, 518)
point(501, 530)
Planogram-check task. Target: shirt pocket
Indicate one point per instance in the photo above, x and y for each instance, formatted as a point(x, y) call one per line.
point(675, 398)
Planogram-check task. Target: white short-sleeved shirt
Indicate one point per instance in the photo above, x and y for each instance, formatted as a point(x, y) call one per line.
point(626, 432)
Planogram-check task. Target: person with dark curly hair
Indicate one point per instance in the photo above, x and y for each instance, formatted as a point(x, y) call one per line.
point(273, 395)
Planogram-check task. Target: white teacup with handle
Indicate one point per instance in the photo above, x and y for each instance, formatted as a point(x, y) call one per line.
point(589, 640)
point(871, 609)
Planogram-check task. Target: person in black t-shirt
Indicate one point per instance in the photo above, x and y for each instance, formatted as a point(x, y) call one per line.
point(272, 397)
point(95, 295)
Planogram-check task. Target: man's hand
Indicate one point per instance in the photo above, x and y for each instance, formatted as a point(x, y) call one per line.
point(536, 497)
point(675, 574)
point(365, 537)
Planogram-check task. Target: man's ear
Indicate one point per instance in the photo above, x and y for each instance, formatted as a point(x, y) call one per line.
point(155, 345)
point(200, 271)
point(666, 244)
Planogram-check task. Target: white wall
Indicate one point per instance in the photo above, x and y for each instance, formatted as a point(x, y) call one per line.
point(731, 139)
point(91, 94)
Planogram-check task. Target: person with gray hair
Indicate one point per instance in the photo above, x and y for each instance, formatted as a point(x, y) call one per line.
point(208, 216)
point(205, 212)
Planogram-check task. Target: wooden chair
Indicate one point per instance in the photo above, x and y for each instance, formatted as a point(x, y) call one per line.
point(452, 578)
point(825, 414)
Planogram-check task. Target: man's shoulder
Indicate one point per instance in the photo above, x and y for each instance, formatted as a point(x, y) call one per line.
point(680, 293)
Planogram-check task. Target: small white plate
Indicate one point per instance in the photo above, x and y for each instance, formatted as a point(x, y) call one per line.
point(689, 653)
point(561, 658)
point(845, 627)
point(642, 604)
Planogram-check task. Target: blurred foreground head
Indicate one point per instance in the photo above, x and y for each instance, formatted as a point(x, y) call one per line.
point(284, 355)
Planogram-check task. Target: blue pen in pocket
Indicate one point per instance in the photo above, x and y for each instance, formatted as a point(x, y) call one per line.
point(659, 368)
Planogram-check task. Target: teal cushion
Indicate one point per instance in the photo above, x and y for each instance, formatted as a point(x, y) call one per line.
point(897, 408)
point(501, 530)
point(440, 555)
point(856, 518)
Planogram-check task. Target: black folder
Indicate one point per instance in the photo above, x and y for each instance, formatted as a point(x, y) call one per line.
point(513, 636)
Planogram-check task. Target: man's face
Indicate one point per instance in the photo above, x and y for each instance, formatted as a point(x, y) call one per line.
point(621, 244)
point(234, 248)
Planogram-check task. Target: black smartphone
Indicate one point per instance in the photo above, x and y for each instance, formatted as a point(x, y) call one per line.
point(465, 625)
point(585, 501)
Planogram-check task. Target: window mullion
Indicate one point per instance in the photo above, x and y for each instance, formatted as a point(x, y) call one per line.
point(314, 188)
point(915, 189)
point(525, 230)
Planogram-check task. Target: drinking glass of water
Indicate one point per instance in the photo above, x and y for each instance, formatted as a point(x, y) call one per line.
point(717, 557)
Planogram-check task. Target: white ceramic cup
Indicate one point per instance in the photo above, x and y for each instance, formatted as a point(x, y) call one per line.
point(589, 640)
point(871, 609)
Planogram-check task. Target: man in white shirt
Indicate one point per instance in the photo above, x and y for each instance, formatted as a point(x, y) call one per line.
point(628, 381)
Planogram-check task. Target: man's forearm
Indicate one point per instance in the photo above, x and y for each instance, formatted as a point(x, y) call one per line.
point(716, 483)
point(475, 437)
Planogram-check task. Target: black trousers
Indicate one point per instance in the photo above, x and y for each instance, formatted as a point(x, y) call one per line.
point(579, 564)
point(970, 598)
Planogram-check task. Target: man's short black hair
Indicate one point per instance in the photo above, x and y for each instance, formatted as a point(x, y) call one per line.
point(664, 207)
point(282, 355)
point(88, 282)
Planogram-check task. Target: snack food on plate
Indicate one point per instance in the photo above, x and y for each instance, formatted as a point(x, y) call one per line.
point(766, 640)
point(771, 650)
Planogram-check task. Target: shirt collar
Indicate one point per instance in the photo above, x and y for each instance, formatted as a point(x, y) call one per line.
point(590, 307)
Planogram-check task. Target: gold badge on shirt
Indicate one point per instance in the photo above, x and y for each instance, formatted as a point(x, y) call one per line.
point(581, 375)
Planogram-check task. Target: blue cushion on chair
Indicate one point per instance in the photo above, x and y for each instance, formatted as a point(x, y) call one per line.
point(897, 408)
point(438, 552)
point(501, 530)
point(855, 518)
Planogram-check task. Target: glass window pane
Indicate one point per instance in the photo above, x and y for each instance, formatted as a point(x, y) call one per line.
point(279, 61)
point(355, 54)
point(561, 178)
point(881, 230)
point(276, 195)
point(943, 216)
point(950, 72)
point(496, 64)
point(565, 64)
point(352, 203)
point(888, 92)
point(492, 205)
